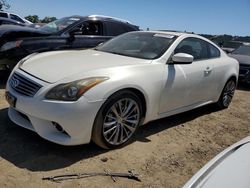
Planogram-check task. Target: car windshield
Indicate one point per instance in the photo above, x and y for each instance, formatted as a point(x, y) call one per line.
point(242, 50)
point(58, 25)
point(144, 45)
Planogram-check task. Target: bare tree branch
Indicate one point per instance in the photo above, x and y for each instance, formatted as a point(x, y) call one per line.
point(4, 5)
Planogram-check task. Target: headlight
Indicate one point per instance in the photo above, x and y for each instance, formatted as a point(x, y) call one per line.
point(74, 90)
point(10, 45)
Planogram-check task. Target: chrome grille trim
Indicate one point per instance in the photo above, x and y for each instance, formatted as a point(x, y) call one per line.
point(23, 85)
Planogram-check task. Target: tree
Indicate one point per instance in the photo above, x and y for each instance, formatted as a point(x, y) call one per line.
point(33, 19)
point(4, 4)
point(48, 19)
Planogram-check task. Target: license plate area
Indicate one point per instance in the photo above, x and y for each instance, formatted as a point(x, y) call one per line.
point(10, 99)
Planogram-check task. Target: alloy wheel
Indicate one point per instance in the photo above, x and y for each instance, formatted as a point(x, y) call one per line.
point(121, 121)
point(228, 93)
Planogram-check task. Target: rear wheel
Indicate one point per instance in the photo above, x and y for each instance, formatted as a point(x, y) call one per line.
point(118, 120)
point(227, 94)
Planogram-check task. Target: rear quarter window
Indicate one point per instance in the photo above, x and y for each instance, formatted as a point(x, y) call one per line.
point(213, 51)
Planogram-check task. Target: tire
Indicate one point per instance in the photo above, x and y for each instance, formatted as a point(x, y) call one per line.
point(118, 120)
point(227, 94)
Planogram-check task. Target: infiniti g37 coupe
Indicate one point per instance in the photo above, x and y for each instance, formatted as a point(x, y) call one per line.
point(104, 94)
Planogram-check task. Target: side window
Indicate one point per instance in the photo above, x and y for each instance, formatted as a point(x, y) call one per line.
point(3, 15)
point(116, 28)
point(94, 28)
point(17, 18)
point(213, 51)
point(193, 46)
point(88, 28)
point(7, 23)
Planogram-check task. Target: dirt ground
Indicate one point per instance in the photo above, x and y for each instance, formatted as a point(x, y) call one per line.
point(166, 152)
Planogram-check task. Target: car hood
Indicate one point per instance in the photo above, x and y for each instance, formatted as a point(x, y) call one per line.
point(243, 59)
point(10, 32)
point(54, 66)
point(231, 168)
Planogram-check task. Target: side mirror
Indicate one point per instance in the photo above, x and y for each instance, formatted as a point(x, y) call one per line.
point(182, 58)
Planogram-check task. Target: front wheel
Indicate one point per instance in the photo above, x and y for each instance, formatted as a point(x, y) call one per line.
point(117, 120)
point(227, 94)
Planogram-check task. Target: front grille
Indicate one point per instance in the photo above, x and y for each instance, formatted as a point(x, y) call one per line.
point(23, 85)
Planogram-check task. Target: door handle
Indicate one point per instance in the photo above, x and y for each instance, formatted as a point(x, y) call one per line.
point(208, 70)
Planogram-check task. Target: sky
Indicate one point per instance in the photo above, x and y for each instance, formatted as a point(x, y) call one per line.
point(199, 16)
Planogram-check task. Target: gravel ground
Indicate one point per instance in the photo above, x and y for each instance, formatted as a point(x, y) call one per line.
point(166, 152)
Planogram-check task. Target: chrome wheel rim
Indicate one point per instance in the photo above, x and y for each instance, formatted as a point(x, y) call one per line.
point(228, 93)
point(121, 121)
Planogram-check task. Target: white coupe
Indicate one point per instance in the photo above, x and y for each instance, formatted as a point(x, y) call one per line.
point(104, 94)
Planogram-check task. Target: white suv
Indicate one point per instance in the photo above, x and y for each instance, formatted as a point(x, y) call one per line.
point(14, 17)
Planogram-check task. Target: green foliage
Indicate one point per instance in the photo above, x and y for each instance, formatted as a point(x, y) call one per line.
point(48, 19)
point(4, 4)
point(33, 19)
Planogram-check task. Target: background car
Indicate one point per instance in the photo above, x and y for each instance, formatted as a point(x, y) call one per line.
point(230, 168)
point(242, 54)
point(7, 21)
point(14, 17)
point(105, 93)
point(66, 33)
point(36, 25)
point(230, 46)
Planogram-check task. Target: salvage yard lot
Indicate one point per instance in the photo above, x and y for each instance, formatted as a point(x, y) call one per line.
point(166, 152)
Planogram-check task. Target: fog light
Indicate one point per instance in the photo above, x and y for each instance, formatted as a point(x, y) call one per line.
point(58, 127)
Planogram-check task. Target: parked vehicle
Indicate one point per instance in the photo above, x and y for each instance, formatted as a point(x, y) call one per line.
point(66, 33)
point(104, 94)
point(7, 21)
point(242, 54)
point(14, 17)
point(36, 25)
point(230, 168)
point(230, 46)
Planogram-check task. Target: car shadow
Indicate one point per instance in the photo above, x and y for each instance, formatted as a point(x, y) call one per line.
point(3, 80)
point(25, 149)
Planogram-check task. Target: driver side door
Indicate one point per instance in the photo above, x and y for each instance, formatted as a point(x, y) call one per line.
point(87, 35)
point(187, 84)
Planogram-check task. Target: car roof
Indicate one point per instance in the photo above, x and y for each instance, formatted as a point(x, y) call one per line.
point(101, 17)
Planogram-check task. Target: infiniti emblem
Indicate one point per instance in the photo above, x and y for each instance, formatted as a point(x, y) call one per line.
point(15, 82)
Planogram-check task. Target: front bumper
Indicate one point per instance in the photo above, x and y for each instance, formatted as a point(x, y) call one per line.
point(41, 115)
